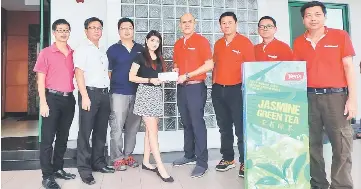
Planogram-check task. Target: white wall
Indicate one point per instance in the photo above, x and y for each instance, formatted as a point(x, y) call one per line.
point(278, 9)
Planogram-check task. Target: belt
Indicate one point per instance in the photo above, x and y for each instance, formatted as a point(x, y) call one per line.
point(326, 90)
point(236, 85)
point(151, 84)
point(101, 90)
point(191, 82)
point(59, 93)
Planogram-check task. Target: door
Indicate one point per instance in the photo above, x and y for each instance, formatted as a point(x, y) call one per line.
point(336, 17)
point(3, 60)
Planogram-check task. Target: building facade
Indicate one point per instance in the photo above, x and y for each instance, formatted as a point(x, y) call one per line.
point(163, 15)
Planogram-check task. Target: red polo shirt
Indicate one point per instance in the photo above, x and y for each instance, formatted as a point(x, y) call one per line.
point(324, 59)
point(276, 50)
point(229, 58)
point(58, 68)
point(191, 54)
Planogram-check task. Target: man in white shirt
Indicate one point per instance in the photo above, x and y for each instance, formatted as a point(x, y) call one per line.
point(91, 73)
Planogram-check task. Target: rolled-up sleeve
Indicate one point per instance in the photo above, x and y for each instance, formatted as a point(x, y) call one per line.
point(41, 65)
point(79, 58)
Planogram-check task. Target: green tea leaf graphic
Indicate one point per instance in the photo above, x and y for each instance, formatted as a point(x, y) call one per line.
point(307, 172)
point(297, 166)
point(285, 166)
point(271, 168)
point(268, 181)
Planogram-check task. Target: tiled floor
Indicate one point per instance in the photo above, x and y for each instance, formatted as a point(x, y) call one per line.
point(131, 179)
point(11, 127)
point(139, 179)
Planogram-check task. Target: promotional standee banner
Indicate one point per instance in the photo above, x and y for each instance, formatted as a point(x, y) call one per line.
point(276, 125)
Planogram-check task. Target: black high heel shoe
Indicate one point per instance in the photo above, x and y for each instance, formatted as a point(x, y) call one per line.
point(148, 169)
point(169, 179)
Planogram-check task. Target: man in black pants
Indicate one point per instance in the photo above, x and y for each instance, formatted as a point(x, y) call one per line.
point(229, 54)
point(91, 73)
point(57, 103)
point(192, 59)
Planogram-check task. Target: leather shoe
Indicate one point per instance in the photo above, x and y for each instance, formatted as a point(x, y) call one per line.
point(89, 180)
point(61, 174)
point(106, 169)
point(50, 183)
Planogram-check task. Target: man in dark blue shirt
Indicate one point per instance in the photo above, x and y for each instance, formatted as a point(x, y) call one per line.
point(121, 55)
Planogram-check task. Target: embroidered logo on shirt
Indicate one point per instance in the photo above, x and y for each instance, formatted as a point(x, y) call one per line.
point(191, 48)
point(272, 56)
point(236, 51)
point(331, 46)
point(139, 52)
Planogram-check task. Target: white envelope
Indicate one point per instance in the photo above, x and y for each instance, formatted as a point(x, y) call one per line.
point(168, 76)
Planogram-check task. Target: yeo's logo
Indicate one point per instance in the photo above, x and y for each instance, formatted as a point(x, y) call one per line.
point(294, 76)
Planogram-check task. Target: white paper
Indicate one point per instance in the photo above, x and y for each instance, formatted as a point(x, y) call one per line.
point(168, 76)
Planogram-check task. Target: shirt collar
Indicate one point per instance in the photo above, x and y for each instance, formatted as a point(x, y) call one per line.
point(54, 48)
point(190, 37)
point(89, 42)
point(307, 33)
point(120, 42)
point(225, 40)
point(274, 39)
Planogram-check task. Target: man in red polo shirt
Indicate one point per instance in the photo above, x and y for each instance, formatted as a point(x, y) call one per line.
point(229, 54)
point(331, 88)
point(192, 59)
point(55, 73)
point(271, 49)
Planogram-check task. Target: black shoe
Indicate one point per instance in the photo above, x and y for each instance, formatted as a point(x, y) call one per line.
point(241, 170)
point(169, 179)
point(106, 169)
point(61, 174)
point(224, 165)
point(89, 180)
point(358, 135)
point(50, 183)
point(148, 169)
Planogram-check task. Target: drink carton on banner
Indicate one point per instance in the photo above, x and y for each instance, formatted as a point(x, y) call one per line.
point(276, 125)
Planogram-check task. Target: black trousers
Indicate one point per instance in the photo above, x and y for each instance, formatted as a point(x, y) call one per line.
point(61, 114)
point(191, 101)
point(93, 122)
point(228, 106)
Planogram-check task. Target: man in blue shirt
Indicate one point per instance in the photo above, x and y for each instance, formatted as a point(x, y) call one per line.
point(121, 55)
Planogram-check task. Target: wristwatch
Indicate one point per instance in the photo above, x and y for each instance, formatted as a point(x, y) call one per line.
point(187, 76)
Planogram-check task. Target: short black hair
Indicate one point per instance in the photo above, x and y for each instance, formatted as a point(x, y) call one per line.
point(125, 19)
point(58, 22)
point(268, 18)
point(313, 4)
point(90, 20)
point(228, 14)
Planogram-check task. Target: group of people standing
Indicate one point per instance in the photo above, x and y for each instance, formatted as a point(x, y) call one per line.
point(121, 86)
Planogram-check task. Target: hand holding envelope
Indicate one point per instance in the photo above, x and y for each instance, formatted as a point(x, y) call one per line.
point(168, 76)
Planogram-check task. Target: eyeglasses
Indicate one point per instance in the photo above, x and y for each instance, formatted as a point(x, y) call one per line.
point(63, 31)
point(129, 29)
point(95, 28)
point(264, 27)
